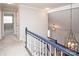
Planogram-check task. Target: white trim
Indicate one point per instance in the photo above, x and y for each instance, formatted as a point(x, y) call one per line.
point(64, 8)
point(30, 7)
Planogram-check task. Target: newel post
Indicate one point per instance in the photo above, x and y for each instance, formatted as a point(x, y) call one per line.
point(26, 37)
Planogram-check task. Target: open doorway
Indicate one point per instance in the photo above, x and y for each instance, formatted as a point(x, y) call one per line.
point(8, 24)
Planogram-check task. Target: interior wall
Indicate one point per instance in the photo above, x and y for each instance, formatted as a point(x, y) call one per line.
point(62, 20)
point(34, 19)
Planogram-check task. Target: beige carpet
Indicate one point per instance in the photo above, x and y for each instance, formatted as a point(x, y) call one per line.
point(10, 46)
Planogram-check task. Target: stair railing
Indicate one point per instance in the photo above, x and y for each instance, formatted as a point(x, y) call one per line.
point(43, 46)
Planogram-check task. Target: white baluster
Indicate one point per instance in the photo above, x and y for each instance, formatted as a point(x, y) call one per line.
point(61, 53)
point(40, 47)
point(50, 50)
point(46, 49)
point(33, 45)
point(55, 52)
point(36, 48)
point(30, 43)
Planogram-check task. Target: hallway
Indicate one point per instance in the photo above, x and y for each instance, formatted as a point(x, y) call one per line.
point(10, 46)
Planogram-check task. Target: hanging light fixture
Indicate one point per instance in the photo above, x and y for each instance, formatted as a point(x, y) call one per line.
point(70, 40)
point(52, 26)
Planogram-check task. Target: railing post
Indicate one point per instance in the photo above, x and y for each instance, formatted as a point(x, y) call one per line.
point(26, 37)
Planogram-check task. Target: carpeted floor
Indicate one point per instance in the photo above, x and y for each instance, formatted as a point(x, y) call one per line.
point(10, 46)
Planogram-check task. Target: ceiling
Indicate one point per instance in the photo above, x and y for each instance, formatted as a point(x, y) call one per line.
point(6, 5)
point(45, 5)
point(36, 5)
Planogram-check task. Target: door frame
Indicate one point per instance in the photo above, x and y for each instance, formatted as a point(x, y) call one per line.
point(16, 19)
point(2, 24)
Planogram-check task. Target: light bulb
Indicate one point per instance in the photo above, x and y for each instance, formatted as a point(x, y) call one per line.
point(69, 44)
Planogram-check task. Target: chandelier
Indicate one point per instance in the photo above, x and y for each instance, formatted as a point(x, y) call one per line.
point(70, 40)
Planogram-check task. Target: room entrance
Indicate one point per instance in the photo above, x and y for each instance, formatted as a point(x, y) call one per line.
point(8, 21)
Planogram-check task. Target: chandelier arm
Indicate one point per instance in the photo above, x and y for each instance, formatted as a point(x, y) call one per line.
point(71, 18)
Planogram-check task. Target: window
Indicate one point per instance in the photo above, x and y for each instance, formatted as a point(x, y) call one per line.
point(8, 19)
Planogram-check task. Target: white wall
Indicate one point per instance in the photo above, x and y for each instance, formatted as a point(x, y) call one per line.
point(34, 19)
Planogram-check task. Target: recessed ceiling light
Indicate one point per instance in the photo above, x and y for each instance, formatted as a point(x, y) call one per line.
point(47, 8)
point(9, 3)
